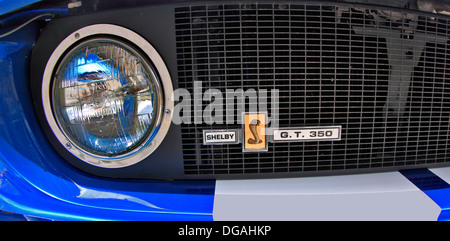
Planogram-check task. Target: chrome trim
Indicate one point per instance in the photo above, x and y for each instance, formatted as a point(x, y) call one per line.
point(164, 115)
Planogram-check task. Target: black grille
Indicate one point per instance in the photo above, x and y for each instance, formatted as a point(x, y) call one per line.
point(381, 74)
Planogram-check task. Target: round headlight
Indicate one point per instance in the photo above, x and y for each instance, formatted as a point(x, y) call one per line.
point(105, 99)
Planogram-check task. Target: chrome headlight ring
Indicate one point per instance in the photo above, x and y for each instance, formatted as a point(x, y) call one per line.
point(162, 116)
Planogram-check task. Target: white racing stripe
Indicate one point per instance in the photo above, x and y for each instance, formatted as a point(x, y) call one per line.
point(381, 196)
point(443, 173)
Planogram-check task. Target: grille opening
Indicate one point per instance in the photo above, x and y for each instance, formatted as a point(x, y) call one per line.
point(327, 73)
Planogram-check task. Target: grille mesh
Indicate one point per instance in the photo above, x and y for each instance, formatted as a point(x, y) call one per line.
point(380, 74)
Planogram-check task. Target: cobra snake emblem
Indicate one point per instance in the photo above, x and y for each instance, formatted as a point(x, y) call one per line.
point(256, 139)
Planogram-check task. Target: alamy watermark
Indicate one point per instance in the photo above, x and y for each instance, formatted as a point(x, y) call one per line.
point(223, 108)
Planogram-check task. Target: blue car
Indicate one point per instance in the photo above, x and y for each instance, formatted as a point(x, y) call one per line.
point(224, 110)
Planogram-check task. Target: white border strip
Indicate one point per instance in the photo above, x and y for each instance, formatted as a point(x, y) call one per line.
point(381, 196)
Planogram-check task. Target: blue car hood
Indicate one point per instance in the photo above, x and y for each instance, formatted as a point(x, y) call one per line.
point(7, 6)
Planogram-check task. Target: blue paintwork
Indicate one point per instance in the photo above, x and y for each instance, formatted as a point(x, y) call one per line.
point(11, 217)
point(20, 17)
point(7, 6)
point(35, 181)
point(434, 187)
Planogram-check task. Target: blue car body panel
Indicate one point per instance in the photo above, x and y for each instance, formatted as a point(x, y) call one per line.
point(7, 6)
point(434, 187)
point(35, 181)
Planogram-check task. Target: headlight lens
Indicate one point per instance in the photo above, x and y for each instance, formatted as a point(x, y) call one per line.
point(106, 98)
